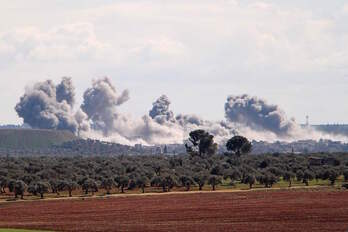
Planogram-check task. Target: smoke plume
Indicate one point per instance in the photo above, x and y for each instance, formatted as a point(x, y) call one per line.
point(40, 108)
point(160, 110)
point(49, 106)
point(100, 102)
point(65, 91)
point(258, 115)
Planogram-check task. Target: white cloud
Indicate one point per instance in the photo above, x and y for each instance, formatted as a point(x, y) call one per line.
point(345, 8)
point(266, 48)
point(67, 42)
point(251, 35)
point(157, 50)
point(232, 33)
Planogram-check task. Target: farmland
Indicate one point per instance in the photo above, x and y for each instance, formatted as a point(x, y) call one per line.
point(277, 210)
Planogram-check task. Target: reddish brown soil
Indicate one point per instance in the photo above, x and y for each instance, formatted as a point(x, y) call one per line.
point(243, 211)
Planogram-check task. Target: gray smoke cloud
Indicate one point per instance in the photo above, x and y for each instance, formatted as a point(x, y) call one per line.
point(82, 122)
point(160, 110)
point(100, 102)
point(258, 115)
point(185, 119)
point(161, 114)
point(49, 106)
point(40, 108)
point(65, 91)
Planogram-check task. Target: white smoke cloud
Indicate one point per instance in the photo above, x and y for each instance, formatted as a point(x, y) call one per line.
point(100, 102)
point(48, 106)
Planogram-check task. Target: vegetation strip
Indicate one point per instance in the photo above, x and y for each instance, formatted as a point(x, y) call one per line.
point(200, 169)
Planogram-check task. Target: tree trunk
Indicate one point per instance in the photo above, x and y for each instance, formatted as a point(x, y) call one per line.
point(70, 195)
point(200, 187)
point(213, 187)
point(41, 195)
point(122, 191)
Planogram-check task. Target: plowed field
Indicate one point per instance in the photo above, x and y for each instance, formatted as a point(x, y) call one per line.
point(243, 211)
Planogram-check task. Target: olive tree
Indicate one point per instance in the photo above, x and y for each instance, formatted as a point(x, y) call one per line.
point(186, 181)
point(67, 185)
point(213, 181)
point(288, 176)
point(200, 179)
point(122, 182)
point(107, 184)
point(141, 183)
point(239, 145)
point(19, 188)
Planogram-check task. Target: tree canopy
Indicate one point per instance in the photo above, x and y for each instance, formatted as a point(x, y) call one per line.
point(239, 145)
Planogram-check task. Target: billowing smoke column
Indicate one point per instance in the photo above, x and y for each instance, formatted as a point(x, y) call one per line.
point(65, 91)
point(258, 115)
point(48, 106)
point(100, 102)
point(160, 110)
point(161, 114)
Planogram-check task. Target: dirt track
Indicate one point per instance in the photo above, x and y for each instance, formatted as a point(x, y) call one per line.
point(299, 210)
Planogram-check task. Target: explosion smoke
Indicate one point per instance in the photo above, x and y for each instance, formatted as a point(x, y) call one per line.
point(258, 115)
point(160, 110)
point(48, 106)
point(66, 91)
point(100, 102)
point(40, 108)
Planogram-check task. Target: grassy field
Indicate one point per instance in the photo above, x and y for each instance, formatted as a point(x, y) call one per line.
point(33, 139)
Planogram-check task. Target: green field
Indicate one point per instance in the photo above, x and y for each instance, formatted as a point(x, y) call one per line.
point(32, 138)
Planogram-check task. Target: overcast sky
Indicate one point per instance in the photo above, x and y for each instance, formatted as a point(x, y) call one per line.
point(291, 53)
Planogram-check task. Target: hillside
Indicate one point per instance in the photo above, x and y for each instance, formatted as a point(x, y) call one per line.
point(33, 138)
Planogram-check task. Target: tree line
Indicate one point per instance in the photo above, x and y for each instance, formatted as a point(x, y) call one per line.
point(200, 166)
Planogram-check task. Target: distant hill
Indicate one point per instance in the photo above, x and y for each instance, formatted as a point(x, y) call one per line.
point(13, 126)
point(335, 129)
point(33, 138)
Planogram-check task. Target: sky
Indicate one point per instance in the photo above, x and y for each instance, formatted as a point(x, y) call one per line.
point(291, 53)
